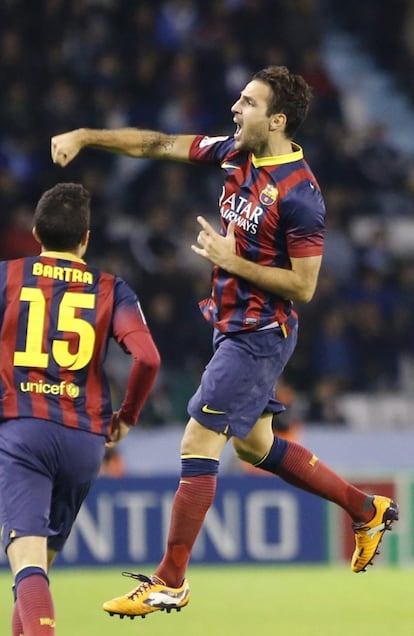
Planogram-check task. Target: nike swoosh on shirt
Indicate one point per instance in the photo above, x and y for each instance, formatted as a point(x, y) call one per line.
point(206, 409)
point(227, 166)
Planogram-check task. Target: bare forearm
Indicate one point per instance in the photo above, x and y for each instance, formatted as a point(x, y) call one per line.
point(297, 283)
point(129, 141)
point(281, 282)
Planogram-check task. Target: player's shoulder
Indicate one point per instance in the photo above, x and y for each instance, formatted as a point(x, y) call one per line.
point(206, 141)
point(299, 182)
point(124, 290)
point(15, 263)
point(113, 286)
point(303, 201)
point(211, 148)
point(106, 282)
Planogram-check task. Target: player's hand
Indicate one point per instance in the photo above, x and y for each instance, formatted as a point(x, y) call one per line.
point(220, 250)
point(117, 431)
point(66, 146)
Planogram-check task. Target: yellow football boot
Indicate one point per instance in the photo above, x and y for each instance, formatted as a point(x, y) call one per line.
point(150, 596)
point(368, 535)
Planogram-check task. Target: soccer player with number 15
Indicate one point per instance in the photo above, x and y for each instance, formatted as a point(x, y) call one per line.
point(57, 315)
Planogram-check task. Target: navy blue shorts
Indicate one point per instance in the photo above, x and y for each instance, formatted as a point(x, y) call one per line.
point(46, 471)
point(238, 384)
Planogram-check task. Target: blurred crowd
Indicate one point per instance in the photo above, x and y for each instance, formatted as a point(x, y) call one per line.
point(178, 66)
point(387, 30)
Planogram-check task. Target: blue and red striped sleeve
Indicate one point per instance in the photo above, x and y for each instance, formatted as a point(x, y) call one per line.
point(211, 149)
point(303, 213)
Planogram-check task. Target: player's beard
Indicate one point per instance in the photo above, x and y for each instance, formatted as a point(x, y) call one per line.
point(255, 141)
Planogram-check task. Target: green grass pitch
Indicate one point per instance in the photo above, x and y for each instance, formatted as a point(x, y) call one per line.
point(239, 601)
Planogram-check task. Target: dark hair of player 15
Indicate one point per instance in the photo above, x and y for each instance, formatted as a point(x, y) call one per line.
point(291, 95)
point(62, 216)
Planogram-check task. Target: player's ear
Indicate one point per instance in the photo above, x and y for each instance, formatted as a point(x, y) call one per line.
point(85, 239)
point(278, 121)
point(83, 245)
point(35, 235)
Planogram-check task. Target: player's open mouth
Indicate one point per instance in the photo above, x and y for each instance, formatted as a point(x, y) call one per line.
point(237, 132)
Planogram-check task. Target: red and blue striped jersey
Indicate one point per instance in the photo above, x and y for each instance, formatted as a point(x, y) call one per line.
point(57, 315)
point(279, 212)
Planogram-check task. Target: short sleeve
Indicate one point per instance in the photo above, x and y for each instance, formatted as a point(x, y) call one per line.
point(211, 149)
point(303, 214)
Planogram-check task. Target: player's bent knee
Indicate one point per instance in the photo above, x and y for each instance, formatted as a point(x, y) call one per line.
point(245, 453)
point(199, 440)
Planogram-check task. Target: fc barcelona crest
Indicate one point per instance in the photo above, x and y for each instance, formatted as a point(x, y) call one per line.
point(268, 195)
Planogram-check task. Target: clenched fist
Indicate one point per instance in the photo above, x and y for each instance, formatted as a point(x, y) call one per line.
point(65, 147)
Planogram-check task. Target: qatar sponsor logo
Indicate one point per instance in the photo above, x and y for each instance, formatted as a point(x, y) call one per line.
point(245, 213)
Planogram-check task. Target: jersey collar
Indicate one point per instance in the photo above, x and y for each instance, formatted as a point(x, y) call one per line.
point(260, 162)
point(66, 256)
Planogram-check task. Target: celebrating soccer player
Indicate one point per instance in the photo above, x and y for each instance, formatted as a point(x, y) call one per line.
point(266, 255)
point(56, 317)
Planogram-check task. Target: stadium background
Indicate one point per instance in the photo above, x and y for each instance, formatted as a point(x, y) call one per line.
point(178, 65)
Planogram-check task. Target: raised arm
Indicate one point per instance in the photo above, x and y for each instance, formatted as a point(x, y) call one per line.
point(126, 141)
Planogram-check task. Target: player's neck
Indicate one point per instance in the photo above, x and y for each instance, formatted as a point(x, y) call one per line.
point(68, 256)
point(278, 146)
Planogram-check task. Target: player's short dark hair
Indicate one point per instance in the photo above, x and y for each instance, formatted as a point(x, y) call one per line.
point(62, 216)
point(291, 95)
